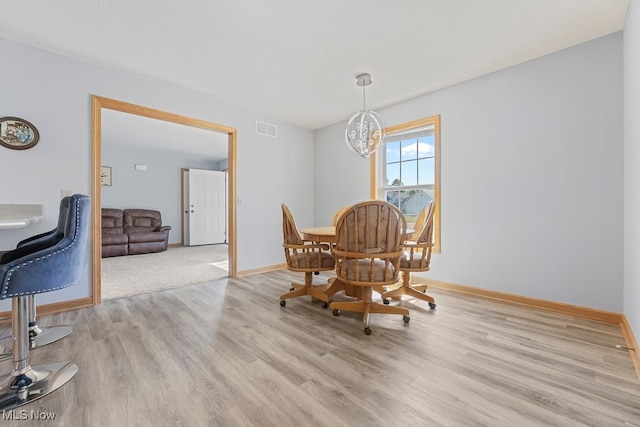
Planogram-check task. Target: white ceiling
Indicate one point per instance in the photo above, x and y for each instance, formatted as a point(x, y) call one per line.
point(143, 133)
point(296, 60)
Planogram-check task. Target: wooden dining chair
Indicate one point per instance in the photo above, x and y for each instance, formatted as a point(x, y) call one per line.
point(420, 222)
point(304, 256)
point(416, 257)
point(337, 214)
point(368, 250)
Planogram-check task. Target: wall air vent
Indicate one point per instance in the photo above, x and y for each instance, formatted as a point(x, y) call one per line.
point(263, 128)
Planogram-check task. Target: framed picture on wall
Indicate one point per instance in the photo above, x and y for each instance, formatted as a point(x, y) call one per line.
point(17, 133)
point(105, 175)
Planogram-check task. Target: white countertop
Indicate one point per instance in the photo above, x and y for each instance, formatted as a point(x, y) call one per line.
point(19, 216)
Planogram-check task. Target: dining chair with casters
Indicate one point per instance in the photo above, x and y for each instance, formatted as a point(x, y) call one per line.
point(38, 336)
point(333, 222)
point(46, 270)
point(368, 250)
point(416, 256)
point(304, 256)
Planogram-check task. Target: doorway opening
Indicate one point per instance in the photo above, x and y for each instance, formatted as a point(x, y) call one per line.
point(98, 105)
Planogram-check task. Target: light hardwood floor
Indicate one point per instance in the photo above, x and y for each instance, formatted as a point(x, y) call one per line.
point(225, 353)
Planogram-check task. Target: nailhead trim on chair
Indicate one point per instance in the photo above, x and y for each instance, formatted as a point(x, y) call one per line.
point(5, 295)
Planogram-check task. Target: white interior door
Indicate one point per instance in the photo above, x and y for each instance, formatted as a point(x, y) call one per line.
point(185, 207)
point(207, 207)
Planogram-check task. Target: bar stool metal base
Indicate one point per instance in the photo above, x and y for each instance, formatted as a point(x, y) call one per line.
point(18, 390)
point(48, 335)
point(42, 337)
point(38, 336)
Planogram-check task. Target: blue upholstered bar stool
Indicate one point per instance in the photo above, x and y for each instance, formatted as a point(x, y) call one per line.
point(49, 269)
point(39, 337)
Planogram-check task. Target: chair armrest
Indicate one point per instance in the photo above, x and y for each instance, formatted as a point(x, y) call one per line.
point(25, 273)
point(415, 245)
point(306, 246)
point(361, 255)
point(164, 228)
point(25, 250)
point(35, 239)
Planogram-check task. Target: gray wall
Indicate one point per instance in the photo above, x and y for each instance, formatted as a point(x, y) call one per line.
point(54, 93)
point(631, 167)
point(156, 188)
point(532, 176)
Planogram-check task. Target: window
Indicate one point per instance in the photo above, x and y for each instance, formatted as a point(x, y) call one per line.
point(405, 171)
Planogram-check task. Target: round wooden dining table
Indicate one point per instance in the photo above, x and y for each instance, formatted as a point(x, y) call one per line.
point(325, 234)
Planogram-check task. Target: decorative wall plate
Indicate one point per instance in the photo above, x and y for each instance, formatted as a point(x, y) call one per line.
point(17, 133)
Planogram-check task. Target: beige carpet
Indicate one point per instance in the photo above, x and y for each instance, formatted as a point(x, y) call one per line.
point(130, 275)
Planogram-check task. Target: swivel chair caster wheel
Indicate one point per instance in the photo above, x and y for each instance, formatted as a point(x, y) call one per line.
point(385, 301)
point(283, 303)
point(367, 331)
point(432, 305)
point(292, 289)
point(325, 305)
point(336, 312)
point(406, 319)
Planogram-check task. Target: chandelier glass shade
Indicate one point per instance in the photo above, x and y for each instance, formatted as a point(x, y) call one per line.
point(365, 129)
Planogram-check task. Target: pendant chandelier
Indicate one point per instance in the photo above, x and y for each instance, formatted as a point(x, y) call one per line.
point(365, 129)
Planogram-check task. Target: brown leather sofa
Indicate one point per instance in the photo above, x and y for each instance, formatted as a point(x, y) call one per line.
point(133, 231)
point(114, 241)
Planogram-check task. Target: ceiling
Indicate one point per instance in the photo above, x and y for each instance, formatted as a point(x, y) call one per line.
point(143, 133)
point(296, 60)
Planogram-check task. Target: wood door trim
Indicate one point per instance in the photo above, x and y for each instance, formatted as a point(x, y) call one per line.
point(97, 104)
